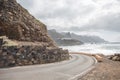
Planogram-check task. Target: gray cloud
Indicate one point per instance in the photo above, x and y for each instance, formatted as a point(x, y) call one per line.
point(26, 4)
point(109, 23)
point(65, 12)
point(77, 15)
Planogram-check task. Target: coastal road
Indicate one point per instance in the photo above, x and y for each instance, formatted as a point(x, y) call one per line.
point(65, 70)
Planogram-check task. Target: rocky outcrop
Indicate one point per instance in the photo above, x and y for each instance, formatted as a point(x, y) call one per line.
point(16, 23)
point(27, 41)
point(115, 57)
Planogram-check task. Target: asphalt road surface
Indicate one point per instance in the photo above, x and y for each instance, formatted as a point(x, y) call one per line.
point(65, 70)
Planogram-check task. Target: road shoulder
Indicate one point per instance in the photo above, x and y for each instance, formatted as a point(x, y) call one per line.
point(106, 70)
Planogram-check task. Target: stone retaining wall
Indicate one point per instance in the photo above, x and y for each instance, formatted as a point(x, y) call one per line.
point(29, 55)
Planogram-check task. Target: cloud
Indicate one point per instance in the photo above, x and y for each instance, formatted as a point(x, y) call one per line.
point(26, 4)
point(107, 22)
point(77, 15)
point(65, 10)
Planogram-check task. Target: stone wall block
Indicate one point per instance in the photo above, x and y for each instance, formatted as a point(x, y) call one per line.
point(29, 55)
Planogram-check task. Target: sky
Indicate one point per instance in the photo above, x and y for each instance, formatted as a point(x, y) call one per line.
point(85, 17)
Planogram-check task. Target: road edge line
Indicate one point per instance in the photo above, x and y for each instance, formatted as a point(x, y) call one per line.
point(78, 76)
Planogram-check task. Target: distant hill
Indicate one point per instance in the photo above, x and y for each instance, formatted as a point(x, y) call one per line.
point(82, 38)
point(62, 40)
point(87, 38)
point(55, 35)
point(68, 42)
point(114, 42)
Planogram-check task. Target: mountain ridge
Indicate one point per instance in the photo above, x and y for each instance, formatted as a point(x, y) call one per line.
point(82, 38)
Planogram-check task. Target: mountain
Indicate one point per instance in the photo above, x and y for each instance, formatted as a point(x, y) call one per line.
point(81, 38)
point(68, 42)
point(55, 35)
point(62, 40)
point(88, 39)
point(114, 42)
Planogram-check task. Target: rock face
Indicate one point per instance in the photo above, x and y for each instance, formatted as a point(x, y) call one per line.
point(16, 23)
point(115, 57)
point(28, 42)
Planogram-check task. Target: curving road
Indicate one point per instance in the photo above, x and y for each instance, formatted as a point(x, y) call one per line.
point(65, 70)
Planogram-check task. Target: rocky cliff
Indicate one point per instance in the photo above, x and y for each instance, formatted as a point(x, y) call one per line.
point(16, 23)
point(27, 41)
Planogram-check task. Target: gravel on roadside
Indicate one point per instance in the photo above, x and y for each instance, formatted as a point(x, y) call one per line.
point(106, 70)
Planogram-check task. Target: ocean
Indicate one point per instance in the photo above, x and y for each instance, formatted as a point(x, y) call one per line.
point(106, 49)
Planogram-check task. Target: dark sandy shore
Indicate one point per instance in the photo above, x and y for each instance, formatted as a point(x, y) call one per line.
point(105, 70)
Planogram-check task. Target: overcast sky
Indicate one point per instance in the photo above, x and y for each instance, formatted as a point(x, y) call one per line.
point(87, 17)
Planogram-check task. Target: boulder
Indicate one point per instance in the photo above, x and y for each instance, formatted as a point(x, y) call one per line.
point(99, 58)
point(115, 57)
